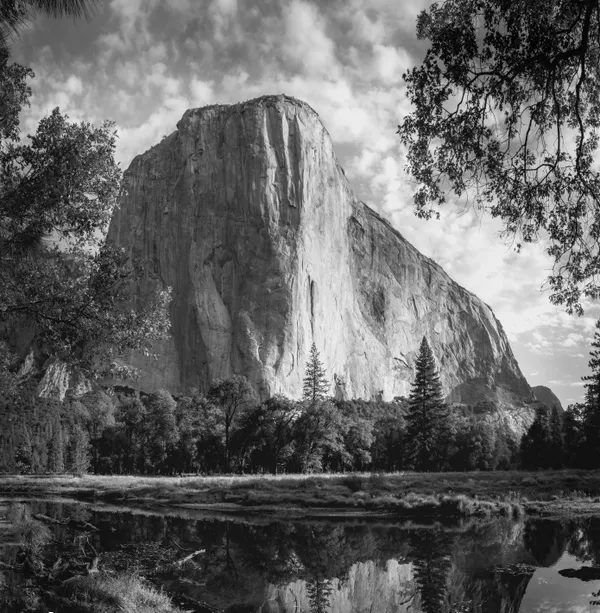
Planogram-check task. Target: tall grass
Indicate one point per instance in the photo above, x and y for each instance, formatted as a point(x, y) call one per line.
point(502, 492)
point(107, 593)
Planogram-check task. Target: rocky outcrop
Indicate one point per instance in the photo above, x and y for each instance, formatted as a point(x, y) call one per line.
point(246, 213)
point(547, 396)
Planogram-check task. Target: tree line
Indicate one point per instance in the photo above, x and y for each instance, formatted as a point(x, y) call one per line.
point(229, 430)
point(569, 439)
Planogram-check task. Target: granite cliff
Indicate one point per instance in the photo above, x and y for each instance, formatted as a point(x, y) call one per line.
point(547, 396)
point(246, 213)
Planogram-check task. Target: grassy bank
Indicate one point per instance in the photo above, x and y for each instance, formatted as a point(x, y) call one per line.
point(406, 494)
point(37, 575)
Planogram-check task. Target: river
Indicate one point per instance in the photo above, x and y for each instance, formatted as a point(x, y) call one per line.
point(260, 564)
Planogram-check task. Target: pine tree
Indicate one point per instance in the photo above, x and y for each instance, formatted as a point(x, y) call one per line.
point(592, 404)
point(536, 444)
point(79, 452)
point(316, 385)
point(558, 439)
point(593, 381)
point(318, 591)
point(428, 419)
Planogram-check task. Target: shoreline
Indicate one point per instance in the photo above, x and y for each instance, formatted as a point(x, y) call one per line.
point(402, 495)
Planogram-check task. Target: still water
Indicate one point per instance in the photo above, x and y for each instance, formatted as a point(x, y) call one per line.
point(258, 564)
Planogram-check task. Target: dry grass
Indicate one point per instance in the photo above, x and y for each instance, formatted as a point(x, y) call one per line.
point(128, 593)
point(478, 493)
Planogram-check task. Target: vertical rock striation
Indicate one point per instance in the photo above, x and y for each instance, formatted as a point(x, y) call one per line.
point(246, 213)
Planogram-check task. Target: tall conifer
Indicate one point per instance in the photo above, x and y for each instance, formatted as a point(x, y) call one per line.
point(316, 385)
point(427, 419)
point(592, 405)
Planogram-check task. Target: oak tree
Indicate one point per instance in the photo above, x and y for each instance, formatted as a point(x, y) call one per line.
point(59, 280)
point(506, 114)
point(231, 396)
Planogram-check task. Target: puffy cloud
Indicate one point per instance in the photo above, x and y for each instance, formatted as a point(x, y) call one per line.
point(389, 63)
point(306, 46)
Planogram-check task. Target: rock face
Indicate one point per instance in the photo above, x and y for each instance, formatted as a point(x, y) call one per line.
point(547, 396)
point(246, 213)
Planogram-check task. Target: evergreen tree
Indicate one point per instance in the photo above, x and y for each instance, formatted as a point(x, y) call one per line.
point(56, 448)
point(557, 448)
point(431, 552)
point(428, 419)
point(592, 405)
point(536, 444)
point(574, 435)
point(79, 452)
point(131, 414)
point(318, 591)
point(592, 384)
point(316, 385)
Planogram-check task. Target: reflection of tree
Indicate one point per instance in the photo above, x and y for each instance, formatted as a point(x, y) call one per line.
point(430, 554)
point(546, 540)
point(584, 543)
point(318, 595)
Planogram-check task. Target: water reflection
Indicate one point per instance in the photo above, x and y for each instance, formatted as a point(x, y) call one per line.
point(262, 566)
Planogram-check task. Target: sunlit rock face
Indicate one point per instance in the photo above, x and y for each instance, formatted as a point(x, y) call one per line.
point(368, 587)
point(246, 213)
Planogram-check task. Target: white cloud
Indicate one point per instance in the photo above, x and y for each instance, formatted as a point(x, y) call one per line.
point(389, 63)
point(305, 45)
point(201, 92)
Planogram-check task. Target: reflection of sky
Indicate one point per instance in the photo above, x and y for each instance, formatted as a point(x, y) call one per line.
point(549, 592)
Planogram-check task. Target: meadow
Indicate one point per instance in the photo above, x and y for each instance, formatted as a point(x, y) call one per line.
point(405, 494)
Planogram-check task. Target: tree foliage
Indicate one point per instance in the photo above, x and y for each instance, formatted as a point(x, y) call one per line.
point(58, 277)
point(15, 14)
point(231, 396)
point(506, 112)
point(316, 386)
point(427, 419)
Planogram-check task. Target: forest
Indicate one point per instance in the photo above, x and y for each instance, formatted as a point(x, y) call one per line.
point(228, 430)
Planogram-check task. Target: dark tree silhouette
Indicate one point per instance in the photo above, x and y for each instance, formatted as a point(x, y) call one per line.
point(506, 115)
point(536, 444)
point(231, 396)
point(430, 554)
point(15, 14)
point(318, 595)
point(427, 419)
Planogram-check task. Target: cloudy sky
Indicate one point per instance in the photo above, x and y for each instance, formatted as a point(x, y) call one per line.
point(142, 63)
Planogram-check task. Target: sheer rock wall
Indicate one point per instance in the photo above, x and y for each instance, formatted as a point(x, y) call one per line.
point(246, 213)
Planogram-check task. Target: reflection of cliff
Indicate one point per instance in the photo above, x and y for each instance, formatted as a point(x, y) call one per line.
point(495, 591)
point(318, 567)
point(445, 571)
point(368, 587)
point(395, 588)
